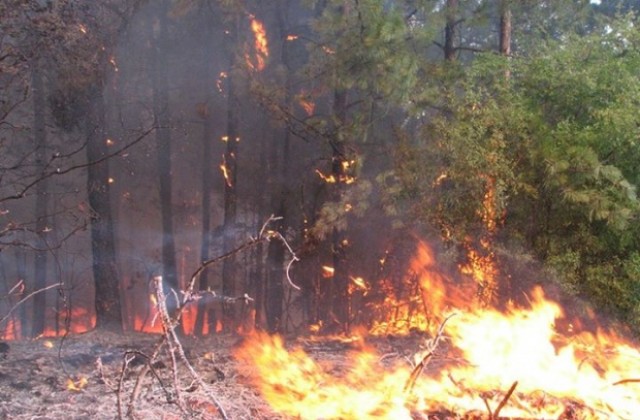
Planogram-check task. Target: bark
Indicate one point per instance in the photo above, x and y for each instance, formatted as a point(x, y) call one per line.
point(40, 138)
point(450, 30)
point(107, 296)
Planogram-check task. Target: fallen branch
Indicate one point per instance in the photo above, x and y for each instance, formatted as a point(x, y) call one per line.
point(417, 370)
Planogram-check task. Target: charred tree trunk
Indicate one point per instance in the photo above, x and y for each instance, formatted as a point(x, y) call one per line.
point(450, 30)
point(163, 146)
point(40, 138)
point(229, 269)
point(107, 296)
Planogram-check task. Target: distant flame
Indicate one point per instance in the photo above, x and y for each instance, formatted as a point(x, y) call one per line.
point(327, 271)
point(258, 62)
point(225, 172)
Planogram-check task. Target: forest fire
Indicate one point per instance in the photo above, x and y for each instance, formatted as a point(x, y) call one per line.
point(490, 363)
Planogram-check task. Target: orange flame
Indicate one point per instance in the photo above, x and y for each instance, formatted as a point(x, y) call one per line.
point(520, 349)
point(260, 46)
point(77, 385)
point(225, 172)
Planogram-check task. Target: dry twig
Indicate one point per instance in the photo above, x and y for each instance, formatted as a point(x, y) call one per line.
point(415, 373)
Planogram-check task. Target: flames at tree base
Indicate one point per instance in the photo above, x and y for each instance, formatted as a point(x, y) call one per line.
point(482, 363)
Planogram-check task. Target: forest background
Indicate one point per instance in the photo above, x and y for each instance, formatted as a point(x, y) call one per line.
point(144, 138)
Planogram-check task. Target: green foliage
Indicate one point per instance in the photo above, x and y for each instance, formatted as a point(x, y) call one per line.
point(558, 142)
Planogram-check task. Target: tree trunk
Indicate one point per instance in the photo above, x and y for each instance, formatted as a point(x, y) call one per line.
point(339, 295)
point(205, 241)
point(229, 269)
point(505, 32)
point(40, 138)
point(160, 88)
point(107, 293)
point(450, 30)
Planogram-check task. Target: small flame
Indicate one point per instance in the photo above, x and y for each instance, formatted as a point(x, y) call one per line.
point(328, 271)
point(77, 385)
point(226, 172)
point(220, 81)
point(114, 64)
point(292, 37)
point(83, 29)
point(47, 344)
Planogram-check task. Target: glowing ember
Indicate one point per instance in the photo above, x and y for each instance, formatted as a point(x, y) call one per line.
point(513, 362)
point(327, 271)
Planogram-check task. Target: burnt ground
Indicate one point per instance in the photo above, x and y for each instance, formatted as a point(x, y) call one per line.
point(35, 379)
point(38, 377)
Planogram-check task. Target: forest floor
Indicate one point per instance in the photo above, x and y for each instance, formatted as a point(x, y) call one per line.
point(77, 378)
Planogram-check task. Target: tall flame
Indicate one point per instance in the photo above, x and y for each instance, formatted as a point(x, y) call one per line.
point(260, 45)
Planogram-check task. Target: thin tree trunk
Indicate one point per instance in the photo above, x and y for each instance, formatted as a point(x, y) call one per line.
point(107, 296)
point(229, 269)
point(163, 150)
point(40, 134)
point(207, 186)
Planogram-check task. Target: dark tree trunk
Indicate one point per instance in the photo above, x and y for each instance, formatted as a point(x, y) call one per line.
point(280, 193)
point(107, 293)
point(450, 30)
point(207, 186)
point(40, 138)
point(163, 146)
point(229, 269)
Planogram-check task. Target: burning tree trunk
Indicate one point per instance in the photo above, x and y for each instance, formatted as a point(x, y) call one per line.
point(229, 168)
point(40, 137)
point(163, 142)
point(107, 298)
